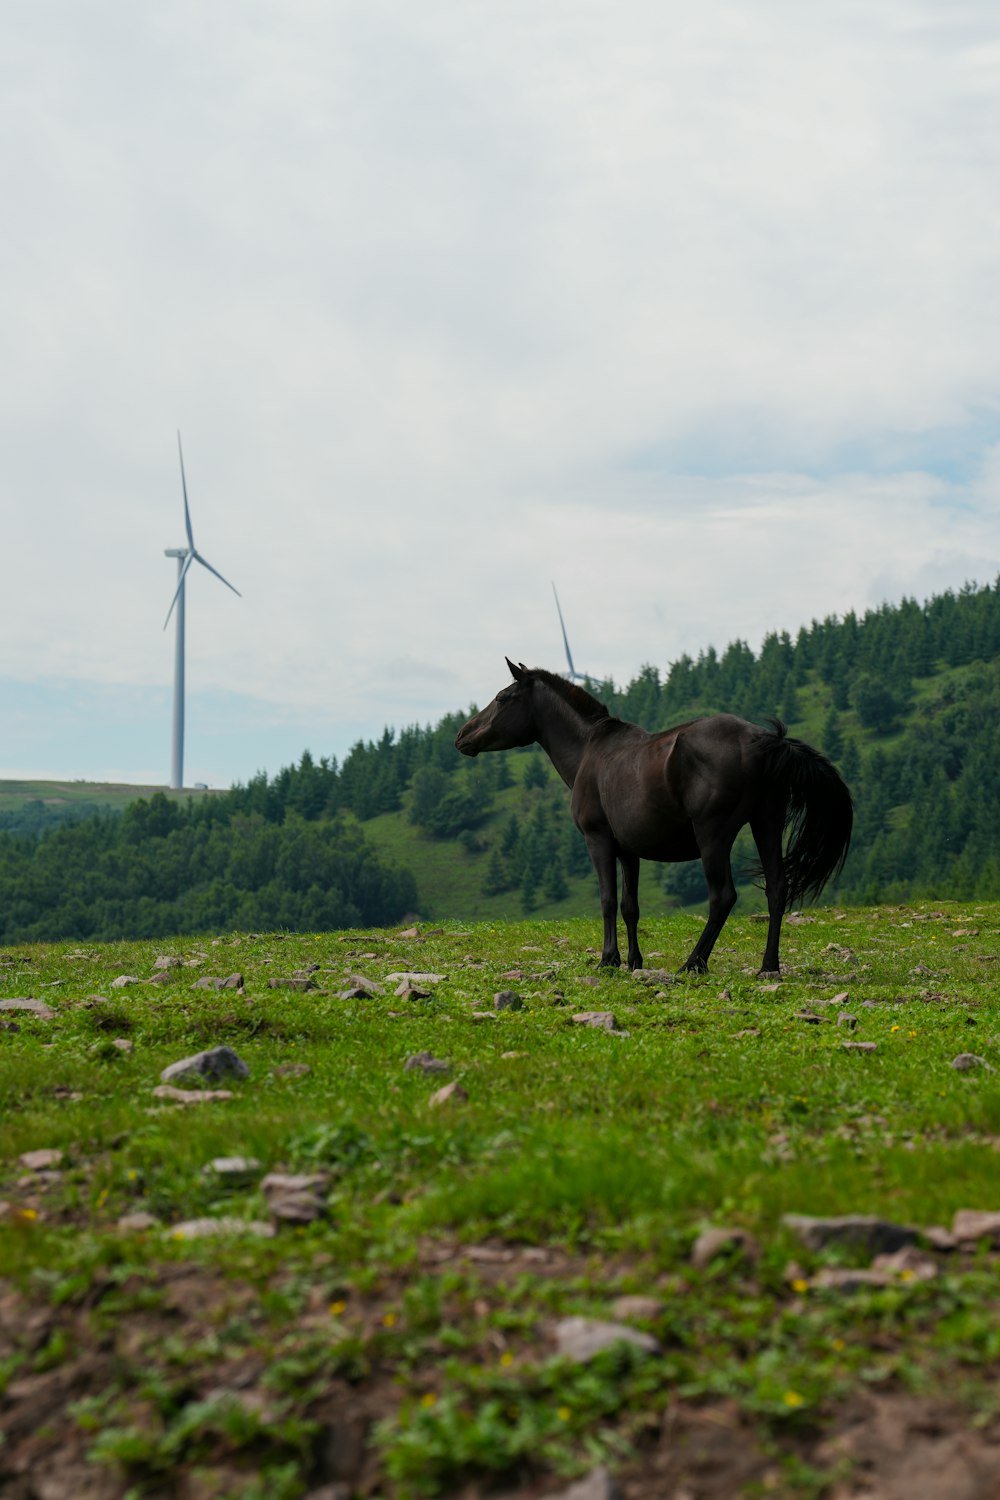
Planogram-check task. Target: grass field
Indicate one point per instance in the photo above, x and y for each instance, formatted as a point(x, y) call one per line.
point(112, 795)
point(408, 1340)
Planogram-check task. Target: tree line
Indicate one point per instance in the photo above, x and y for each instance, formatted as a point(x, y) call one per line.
point(904, 698)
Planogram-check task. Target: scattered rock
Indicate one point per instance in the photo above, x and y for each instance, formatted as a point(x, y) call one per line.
point(415, 978)
point(32, 1007)
point(190, 1096)
point(202, 1229)
point(603, 1020)
point(407, 991)
point(849, 1278)
point(292, 1070)
point(161, 976)
point(747, 1031)
point(634, 1305)
point(123, 980)
point(810, 1016)
point(9, 1026)
point(655, 976)
point(360, 985)
point(295, 1198)
point(909, 1264)
point(965, 1062)
point(164, 962)
point(579, 1339)
point(41, 1160)
point(427, 1063)
point(591, 980)
point(970, 1225)
point(846, 1019)
point(234, 1171)
point(136, 1223)
point(712, 1243)
point(864, 1232)
point(452, 1093)
point(860, 1046)
point(507, 1000)
point(940, 1238)
point(216, 1062)
point(123, 1044)
point(597, 1485)
point(291, 983)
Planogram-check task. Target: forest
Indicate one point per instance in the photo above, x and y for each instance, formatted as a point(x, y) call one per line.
point(905, 699)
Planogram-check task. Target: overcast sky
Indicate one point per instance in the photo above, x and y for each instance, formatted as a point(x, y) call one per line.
point(691, 309)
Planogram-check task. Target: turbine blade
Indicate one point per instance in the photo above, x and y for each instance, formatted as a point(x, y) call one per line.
point(187, 513)
point(218, 575)
point(569, 658)
point(180, 585)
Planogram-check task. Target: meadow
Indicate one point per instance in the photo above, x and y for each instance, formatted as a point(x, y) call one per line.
point(398, 1320)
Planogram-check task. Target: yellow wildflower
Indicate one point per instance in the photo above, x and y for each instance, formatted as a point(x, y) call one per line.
point(792, 1398)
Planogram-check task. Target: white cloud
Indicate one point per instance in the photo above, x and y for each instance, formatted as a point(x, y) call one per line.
point(690, 309)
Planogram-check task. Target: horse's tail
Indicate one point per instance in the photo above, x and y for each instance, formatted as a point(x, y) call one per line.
point(819, 813)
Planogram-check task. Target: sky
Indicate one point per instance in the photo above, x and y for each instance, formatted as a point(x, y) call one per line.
point(691, 310)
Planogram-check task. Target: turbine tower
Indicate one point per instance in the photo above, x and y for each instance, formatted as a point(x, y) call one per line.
point(572, 674)
point(185, 557)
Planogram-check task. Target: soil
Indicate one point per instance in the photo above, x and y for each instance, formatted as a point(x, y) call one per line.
point(887, 1445)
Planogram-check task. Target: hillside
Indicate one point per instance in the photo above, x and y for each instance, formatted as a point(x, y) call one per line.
point(904, 699)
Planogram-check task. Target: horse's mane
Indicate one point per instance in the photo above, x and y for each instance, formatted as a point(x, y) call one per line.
point(577, 697)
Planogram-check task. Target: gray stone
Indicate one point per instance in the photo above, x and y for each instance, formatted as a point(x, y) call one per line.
point(216, 1062)
point(295, 1198)
point(414, 978)
point(41, 1160)
point(203, 1229)
point(233, 1171)
point(190, 1096)
point(603, 1020)
point(32, 1007)
point(597, 1485)
point(846, 1019)
point(655, 976)
point(123, 1044)
point(292, 1070)
point(165, 962)
point(407, 991)
point(864, 1232)
point(712, 1243)
point(123, 980)
point(507, 1000)
point(860, 1046)
point(972, 1224)
point(635, 1305)
point(136, 1223)
point(291, 983)
point(427, 1063)
point(965, 1062)
point(579, 1339)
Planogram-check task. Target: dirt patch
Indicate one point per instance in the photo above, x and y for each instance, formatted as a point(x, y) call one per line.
point(207, 1335)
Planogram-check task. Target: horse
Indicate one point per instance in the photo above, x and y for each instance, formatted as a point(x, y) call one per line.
point(680, 794)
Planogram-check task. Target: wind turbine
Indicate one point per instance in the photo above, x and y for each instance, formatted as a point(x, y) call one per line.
point(185, 557)
point(572, 674)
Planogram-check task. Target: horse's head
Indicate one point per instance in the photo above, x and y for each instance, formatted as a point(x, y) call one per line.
point(508, 721)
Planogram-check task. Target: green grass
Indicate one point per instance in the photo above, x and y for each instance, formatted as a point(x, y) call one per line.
point(108, 794)
point(606, 1154)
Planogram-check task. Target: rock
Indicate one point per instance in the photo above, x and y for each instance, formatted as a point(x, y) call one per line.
point(712, 1243)
point(292, 984)
point(161, 976)
point(849, 1278)
point(841, 999)
point(592, 981)
point(452, 1093)
point(415, 978)
point(965, 1062)
point(409, 932)
point(190, 1096)
point(940, 1238)
point(810, 1016)
point(846, 1019)
point(365, 986)
point(295, 1198)
point(597, 1485)
point(32, 1007)
point(407, 991)
point(427, 1063)
point(9, 1026)
point(603, 1020)
point(510, 1056)
point(655, 976)
point(216, 1062)
point(41, 1160)
point(123, 980)
point(634, 1305)
point(507, 1000)
point(292, 1070)
point(747, 1031)
point(860, 1046)
point(165, 962)
point(233, 1171)
point(908, 1264)
point(136, 1223)
point(123, 1044)
point(579, 1339)
point(970, 1225)
point(863, 1232)
point(202, 1229)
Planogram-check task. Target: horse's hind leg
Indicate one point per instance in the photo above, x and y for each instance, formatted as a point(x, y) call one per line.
point(716, 860)
point(601, 849)
point(767, 829)
point(630, 906)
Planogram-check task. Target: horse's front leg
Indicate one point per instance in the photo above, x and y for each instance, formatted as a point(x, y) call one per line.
point(601, 849)
point(630, 906)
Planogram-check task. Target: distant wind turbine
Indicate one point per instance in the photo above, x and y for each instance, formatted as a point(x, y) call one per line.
point(572, 674)
point(185, 557)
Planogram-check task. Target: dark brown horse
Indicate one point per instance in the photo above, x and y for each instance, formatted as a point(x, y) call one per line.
point(682, 794)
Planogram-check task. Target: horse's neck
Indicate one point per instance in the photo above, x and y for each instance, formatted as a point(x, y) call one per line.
point(562, 733)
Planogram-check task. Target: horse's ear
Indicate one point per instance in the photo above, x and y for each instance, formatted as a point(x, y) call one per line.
point(516, 672)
